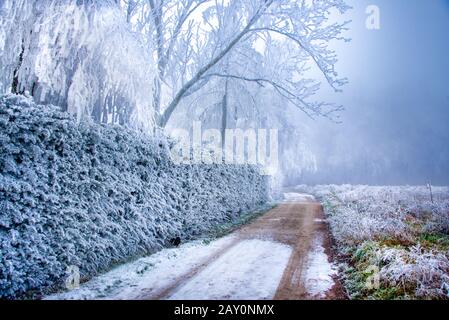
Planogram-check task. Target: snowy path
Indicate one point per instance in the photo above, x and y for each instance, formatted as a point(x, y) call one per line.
point(281, 255)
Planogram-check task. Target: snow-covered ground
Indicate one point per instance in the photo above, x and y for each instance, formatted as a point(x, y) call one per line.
point(298, 197)
point(319, 272)
point(146, 276)
point(248, 269)
point(252, 270)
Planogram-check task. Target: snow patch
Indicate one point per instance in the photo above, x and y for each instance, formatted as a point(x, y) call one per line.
point(298, 197)
point(319, 273)
point(146, 276)
point(251, 270)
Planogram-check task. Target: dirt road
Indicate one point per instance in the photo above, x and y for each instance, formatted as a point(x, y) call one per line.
point(297, 223)
point(284, 254)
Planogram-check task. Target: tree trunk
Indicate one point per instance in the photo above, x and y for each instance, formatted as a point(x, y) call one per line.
point(15, 86)
point(156, 12)
point(224, 116)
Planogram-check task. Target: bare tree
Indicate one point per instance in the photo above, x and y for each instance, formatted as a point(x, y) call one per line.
point(81, 56)
point(193, 42)
point(190, 44)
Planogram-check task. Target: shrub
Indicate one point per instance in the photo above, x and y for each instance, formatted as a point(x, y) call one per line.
point(96, 195)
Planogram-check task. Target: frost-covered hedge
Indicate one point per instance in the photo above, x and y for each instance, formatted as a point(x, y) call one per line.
point(93, 196)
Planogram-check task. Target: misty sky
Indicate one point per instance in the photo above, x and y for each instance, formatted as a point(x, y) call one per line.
point(396, 125)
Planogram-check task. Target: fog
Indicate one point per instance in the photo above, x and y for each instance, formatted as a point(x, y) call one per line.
point(395, 127)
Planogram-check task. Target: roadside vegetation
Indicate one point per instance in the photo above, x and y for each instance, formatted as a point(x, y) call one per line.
point(392, 242)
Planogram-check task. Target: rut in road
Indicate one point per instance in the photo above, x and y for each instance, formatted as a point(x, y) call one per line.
point(283, 254)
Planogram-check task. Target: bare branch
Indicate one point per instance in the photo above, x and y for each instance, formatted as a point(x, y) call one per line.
point(334, 83)
point(297, 100)
point(172, 106)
